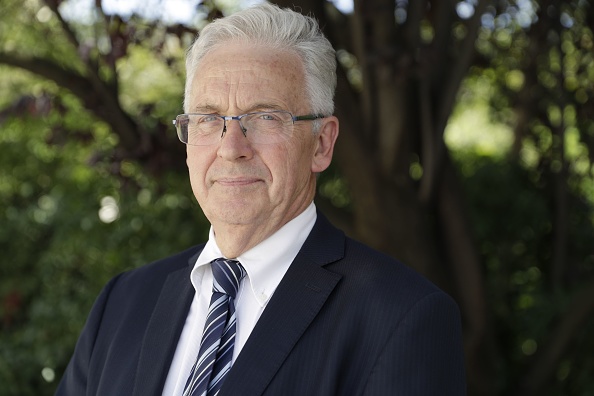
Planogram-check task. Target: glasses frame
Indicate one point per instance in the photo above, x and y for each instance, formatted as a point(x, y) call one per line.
point(306, 117)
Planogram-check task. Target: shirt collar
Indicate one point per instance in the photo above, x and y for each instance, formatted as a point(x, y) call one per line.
point(267, 262)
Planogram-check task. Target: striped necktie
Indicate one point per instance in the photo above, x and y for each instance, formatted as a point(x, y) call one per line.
point(218, 338)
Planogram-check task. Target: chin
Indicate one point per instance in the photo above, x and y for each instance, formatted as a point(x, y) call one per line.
point(235, 215)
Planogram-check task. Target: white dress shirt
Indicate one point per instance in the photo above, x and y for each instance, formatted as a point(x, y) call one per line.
point(265, 264)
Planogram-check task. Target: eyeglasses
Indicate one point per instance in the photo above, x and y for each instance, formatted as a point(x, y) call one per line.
point(263, 127)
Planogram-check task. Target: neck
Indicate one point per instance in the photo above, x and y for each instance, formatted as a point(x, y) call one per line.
point(233, 240)
point(236, 239)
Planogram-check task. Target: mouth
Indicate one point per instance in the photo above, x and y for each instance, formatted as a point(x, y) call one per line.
point(237, 181)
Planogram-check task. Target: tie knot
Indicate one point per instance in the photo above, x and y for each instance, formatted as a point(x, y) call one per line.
point(227, 275)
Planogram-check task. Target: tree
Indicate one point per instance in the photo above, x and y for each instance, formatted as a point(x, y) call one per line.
point(509, 237)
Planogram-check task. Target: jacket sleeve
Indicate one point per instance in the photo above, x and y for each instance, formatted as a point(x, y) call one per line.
point(424, 356)
point(75, 378)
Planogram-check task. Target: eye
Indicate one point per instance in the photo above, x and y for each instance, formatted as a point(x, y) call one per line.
point(208, 118)
point(268, 117)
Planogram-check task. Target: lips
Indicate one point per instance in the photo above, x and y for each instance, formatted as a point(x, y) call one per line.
point(237, 181)
point(235, 176)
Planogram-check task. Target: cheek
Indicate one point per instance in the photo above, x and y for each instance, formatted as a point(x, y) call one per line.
point(197, 166)
point(293, 167)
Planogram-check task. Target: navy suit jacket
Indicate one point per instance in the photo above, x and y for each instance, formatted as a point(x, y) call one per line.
point(345, 320)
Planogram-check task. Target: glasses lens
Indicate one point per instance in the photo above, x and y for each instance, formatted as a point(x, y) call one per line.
point(199, 129)
point(267, 127)
point(181, 126)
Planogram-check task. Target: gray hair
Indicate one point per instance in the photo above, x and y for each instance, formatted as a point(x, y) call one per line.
point(267, 24)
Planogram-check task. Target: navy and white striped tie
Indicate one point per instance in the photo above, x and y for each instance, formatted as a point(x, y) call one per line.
point(218, 338)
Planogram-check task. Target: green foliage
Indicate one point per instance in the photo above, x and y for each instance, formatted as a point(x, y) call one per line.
point(512, 217)
point(531, 199)
point(73, 214)
point(57, 250)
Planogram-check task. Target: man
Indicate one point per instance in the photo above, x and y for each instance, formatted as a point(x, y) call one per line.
point(278, 301)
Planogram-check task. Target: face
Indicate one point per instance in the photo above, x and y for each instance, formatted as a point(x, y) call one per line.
point(256, 188)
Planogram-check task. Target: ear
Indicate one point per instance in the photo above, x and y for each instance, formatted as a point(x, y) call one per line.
point(324, 145)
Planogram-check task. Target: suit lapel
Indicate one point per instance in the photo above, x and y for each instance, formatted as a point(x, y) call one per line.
point(163, 331)
point(294, 305)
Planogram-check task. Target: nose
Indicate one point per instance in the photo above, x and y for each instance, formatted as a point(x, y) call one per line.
point(234, 145)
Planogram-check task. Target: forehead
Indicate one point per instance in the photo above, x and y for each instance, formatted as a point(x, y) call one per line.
point(236, 75)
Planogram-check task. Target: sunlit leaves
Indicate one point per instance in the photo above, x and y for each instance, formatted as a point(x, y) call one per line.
point(335, 190)
point(145, 80)
point(514, 80)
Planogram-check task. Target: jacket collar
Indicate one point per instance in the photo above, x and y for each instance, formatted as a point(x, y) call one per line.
point(163, 331)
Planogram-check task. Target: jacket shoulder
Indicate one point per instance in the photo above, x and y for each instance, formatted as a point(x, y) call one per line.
point(371, 274)
point(164, 266)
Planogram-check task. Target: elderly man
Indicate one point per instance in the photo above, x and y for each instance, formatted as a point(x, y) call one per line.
point(278, 301)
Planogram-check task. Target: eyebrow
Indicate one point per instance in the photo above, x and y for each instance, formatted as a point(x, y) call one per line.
point(262, 106)
point(206, 109)
point(266, 106)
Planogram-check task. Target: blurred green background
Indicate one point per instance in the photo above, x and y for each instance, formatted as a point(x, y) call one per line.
point(491, 195)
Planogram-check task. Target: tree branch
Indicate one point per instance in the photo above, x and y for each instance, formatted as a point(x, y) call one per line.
point(53, 5)
point(461, 63)
point(95, 96)
point(361, 49)
point(443, 17)
point(465, 271)
point(338, 29)
point(449, 90)
point(353, 158)
point(546, 360)
point(412, 26)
